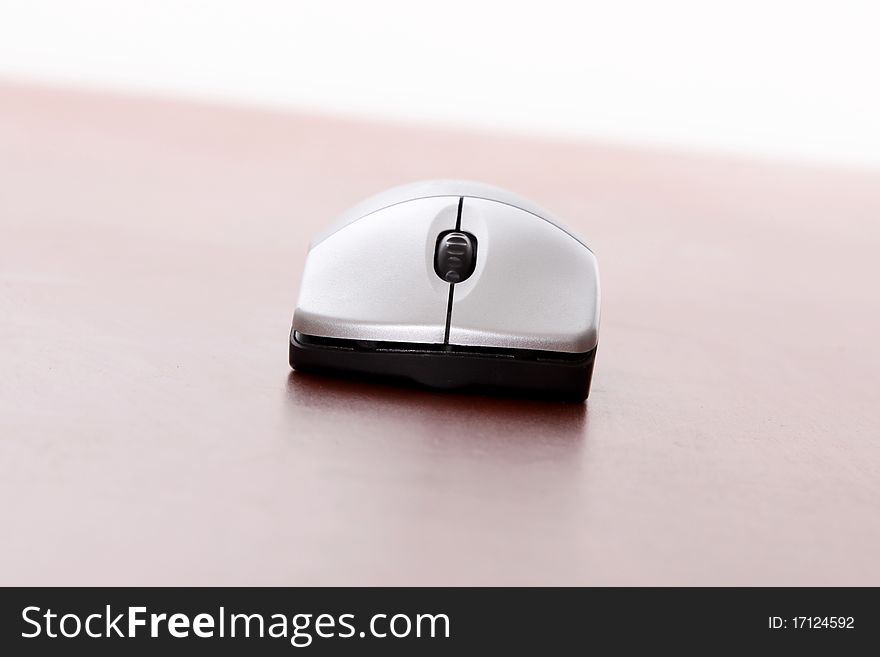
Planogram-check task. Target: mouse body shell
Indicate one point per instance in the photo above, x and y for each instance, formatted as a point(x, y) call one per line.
point(381, 282)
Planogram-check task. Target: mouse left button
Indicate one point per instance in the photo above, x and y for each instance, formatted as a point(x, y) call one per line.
point(374, 279)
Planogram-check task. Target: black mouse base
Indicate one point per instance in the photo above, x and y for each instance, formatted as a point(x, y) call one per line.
point(514, 371)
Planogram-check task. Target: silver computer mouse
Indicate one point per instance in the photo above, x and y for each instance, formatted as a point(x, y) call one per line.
point(451, 284)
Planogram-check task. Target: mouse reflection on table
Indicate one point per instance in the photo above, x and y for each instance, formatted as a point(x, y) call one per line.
point(453, 285)
point(448, 417)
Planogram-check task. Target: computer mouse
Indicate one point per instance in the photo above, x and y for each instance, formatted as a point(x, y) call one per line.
point(451, 284)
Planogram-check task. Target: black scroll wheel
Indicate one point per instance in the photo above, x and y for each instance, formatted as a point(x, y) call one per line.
point(455, 256)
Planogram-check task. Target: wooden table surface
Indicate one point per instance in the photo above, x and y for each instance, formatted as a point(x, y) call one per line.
point(151, 431)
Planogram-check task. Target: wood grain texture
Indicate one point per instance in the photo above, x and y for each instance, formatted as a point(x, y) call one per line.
point(152, 433)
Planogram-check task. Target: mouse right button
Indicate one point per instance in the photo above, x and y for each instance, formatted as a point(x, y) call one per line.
point(535, 286)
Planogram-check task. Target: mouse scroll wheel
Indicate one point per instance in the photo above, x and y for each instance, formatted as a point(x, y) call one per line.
point(455, 256)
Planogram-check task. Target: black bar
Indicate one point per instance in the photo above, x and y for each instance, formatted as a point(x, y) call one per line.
point(494, 621)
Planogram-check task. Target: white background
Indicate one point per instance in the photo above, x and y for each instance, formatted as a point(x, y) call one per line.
point(796, 79)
